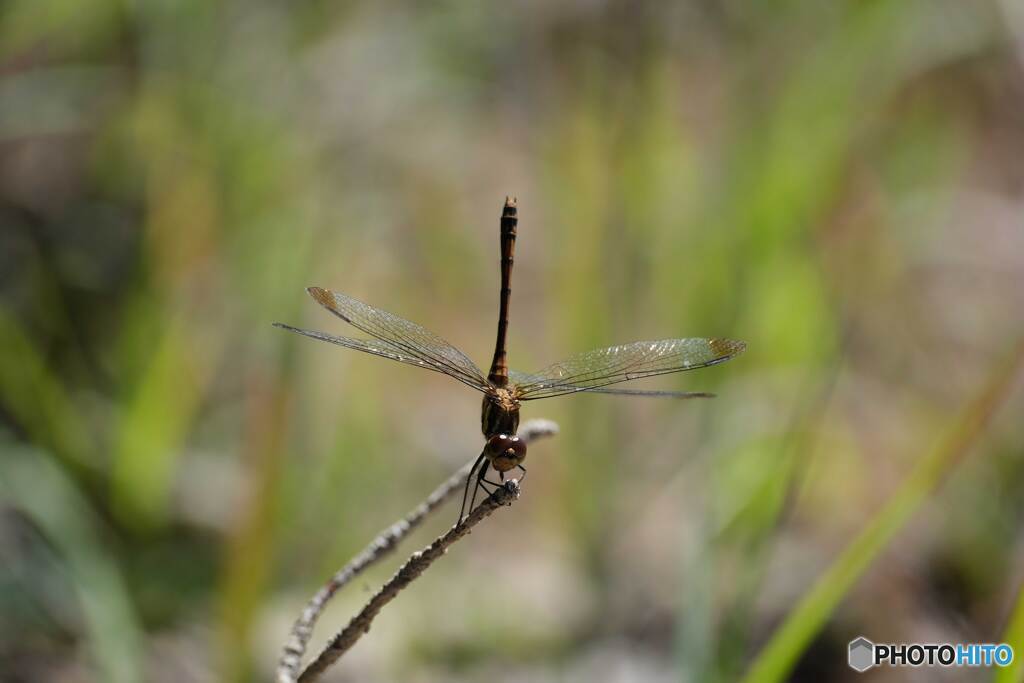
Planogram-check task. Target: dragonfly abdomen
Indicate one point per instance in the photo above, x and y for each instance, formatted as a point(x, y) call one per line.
point(498, 375)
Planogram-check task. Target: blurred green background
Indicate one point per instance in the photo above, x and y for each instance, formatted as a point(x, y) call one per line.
point(839, 184)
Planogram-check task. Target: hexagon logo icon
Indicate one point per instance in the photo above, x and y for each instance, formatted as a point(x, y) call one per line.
point(861, 655)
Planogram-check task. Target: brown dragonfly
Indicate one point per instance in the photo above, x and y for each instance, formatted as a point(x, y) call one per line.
point(503, 389)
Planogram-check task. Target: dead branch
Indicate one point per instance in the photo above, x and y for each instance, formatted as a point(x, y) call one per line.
point(410, 571)
point(382, 545)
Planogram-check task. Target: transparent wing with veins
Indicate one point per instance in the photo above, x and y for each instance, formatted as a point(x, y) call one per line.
point(593, 370)
point(394, 337)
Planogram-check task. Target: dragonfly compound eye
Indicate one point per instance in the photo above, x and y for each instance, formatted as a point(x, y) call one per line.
point(505, 452)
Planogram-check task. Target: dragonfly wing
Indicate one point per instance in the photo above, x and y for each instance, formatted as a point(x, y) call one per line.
point(395, 338)
point(656, 393)
point(601, 367)
point(374, 346)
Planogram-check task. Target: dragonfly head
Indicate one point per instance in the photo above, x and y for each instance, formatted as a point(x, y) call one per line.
point(505, 452)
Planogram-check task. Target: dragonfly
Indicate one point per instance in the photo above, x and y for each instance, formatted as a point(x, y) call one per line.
point(504, 390)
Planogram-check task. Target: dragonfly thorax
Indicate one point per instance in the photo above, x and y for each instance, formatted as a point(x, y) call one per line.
point(500, 413)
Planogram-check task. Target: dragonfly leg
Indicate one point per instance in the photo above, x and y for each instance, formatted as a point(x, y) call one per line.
point(465, 492)
point(480, 483)
point(483, 482)
point(524, 472)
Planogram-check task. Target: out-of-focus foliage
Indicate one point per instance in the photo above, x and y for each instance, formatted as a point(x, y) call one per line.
point(837, 183)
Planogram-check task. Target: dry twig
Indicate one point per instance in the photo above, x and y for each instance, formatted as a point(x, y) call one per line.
point(414, 566)
point(382, 545)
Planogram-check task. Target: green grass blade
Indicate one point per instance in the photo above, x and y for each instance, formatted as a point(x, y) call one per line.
point(38, 399)
point(32, 482)
point(781, 653)
point(1014, 637)
point(155, 423)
